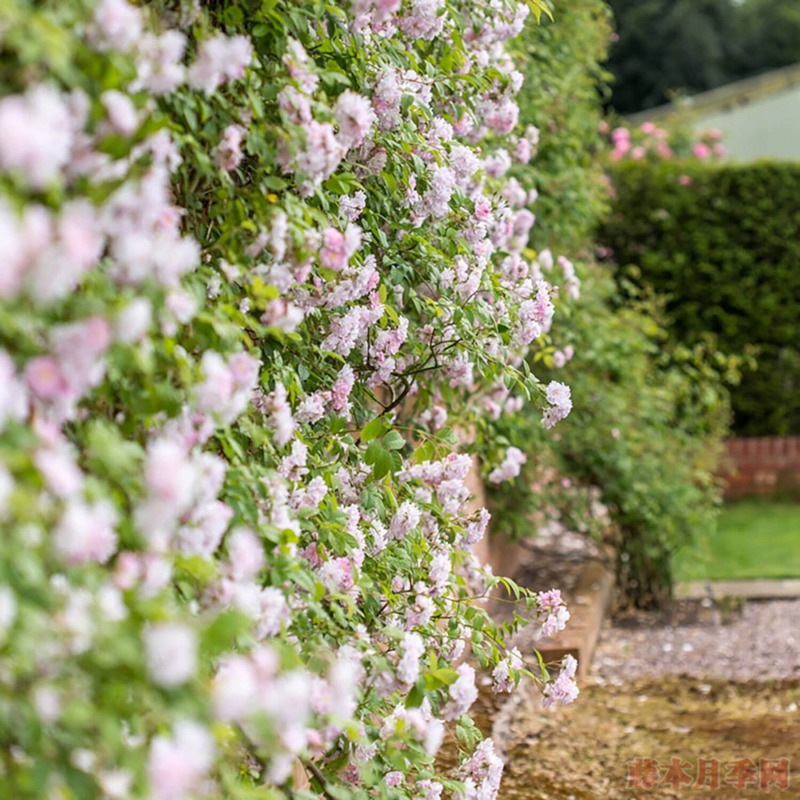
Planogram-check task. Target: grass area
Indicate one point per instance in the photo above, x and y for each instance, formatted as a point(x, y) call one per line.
point(755, 539)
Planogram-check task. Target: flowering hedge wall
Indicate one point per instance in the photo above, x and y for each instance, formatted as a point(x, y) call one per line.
point(261, 268)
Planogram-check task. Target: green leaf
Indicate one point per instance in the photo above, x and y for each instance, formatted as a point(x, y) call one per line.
point(373, 452)
point(233, 16)
point(539, 7)
point(416, 695)
point(221, 635)
point(424, 452)
point(445, 675)
point(114, 145)
point(394, 441)
point(108, 450)
point(194, 568)
point(383, 464)
point(372, 430)
point(275, 183)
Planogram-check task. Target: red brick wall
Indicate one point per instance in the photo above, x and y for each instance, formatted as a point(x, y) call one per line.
point(763, 465)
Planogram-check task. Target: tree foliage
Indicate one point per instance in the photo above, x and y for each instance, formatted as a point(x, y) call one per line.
point(666, 48)
point(766, 36)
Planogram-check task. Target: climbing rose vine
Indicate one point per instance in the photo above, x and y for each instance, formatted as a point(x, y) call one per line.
point(260, 272)
point(648, 142)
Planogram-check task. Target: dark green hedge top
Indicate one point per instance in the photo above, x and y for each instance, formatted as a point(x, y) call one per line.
point(723, 244)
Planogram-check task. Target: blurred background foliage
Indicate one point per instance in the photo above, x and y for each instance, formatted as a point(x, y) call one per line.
point(669, 47)
point(719, 243)
point(636, 460)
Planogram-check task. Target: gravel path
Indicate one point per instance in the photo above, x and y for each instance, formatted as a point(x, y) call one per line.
point(762, 642)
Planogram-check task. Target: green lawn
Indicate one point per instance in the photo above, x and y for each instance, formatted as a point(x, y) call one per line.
point(755, 539)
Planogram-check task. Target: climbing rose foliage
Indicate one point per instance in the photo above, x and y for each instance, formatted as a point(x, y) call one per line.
point(259, 262)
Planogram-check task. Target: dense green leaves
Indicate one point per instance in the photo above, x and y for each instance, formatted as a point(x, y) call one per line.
point(635, 459)
point(563, 80)
point(724, 253)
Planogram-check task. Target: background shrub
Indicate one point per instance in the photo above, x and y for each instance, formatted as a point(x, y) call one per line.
point(639, 450)
point(562, 64)
point(720, 244)
point(635, 461)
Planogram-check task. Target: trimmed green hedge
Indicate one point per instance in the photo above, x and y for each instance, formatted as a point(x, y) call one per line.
point(723, 245)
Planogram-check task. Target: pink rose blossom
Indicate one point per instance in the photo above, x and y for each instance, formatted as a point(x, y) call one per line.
point(220, 59)
point(118, 25)
point(393, 778)
point(355, 116)
point(45, 379)
point(160, 70)
point(510, 468)
point(351, 207)
point(171, 653)
point(36, 135)
point(502, 116)
point(312, 408)
point(422, 20)
point(236, 687)
point(134, 321)
point(482, 772)
point(554, 612)
point(203, 530)
point(319, 158)
point(386, 100)
point(86, 533)
point(563, 690)
point(229, 150)
point(333, 254)
point(280, 414)
point(122, 113)
point(293, 466)
point(341, 389)
point(405, 520)
point(177, 764)
point(463, 693)
point(57, 465)
point(245, 554)
point(502, 673)
point(337, 574)
point(413, 649)
point(559, 397)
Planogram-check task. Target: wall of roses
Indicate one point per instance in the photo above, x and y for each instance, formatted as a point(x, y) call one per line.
point(262, 264)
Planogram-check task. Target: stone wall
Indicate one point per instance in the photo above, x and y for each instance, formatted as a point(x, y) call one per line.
point(763, 466)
